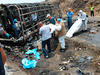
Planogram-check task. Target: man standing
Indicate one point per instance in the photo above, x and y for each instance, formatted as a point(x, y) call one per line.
point(51, 19)
point(69, 17)
point(84, 19)
point(34, 17)
point(15, 27)
point(45, 33)
point(61, 33)
point(92, 11)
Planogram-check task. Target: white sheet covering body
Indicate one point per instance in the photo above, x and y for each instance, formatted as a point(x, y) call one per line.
point(75, 27)
point(53, 27)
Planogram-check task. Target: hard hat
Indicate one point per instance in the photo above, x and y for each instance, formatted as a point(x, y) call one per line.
point(48, 15)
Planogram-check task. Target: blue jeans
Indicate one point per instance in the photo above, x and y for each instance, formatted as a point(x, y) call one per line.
point(17, 33)
point(48, 45)
point(69, 23)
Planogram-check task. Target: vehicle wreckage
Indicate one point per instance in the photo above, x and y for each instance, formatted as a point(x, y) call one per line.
point(28, 30)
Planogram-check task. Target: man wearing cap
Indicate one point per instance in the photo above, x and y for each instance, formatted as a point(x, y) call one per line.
point(61, 33)
point(45, 33)
point(15, 27)
point(34, 17)
point(51, 19)
point(69, 17)
point(84, 19)
point(3, 32)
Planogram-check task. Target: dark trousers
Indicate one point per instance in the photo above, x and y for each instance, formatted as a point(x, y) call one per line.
point(69, 23)
point(53, 35)
point(92, 13)
point(44, 43)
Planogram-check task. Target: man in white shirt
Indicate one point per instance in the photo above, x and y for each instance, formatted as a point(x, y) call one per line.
point(45, 33)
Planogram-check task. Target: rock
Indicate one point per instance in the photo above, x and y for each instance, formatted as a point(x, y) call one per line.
point(8, 48)
point(81, 60)
point(84, 49)
point(89, 58)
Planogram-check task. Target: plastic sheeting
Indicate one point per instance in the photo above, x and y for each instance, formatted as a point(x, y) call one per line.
point(29, 63)
point(53, 27)
point(75, 27)
point(34, 51)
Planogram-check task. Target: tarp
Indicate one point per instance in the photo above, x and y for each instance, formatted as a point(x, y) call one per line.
point(29, 63)
point(75, 27)
point(34, 51)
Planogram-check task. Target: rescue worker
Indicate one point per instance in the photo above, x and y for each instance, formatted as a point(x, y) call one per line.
point(69, 17)
point(3, 32)
point(61, 33)
point(92, 11)
point(51, 20)
point(34, 17)
point(84, 19)
point(45, 33)
point(15, 27)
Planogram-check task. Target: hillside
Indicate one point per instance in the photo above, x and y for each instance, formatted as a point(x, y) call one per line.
point(77, 5)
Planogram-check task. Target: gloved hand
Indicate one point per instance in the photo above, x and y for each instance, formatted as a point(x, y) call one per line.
point(7, 35)
point(33, 19)
point(68, 16)
point(66, 20)
point(57, 24)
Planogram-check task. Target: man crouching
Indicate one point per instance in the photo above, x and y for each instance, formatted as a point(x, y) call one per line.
point(61, 33)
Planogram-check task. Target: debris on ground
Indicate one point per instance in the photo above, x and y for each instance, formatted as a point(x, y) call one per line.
point(34, 51)
point(28, 63)
point(93, 32)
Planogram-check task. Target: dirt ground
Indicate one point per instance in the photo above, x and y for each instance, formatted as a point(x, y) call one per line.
point(78, 49)
point(51, 65)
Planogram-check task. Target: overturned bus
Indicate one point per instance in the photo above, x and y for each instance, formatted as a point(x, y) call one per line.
point(28, 29)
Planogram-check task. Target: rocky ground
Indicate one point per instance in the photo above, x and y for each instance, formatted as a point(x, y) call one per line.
point(77, 5)
point(82, 52)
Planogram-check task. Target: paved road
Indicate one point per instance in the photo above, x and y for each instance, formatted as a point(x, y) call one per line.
point(90, 18)
point(87, 37)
